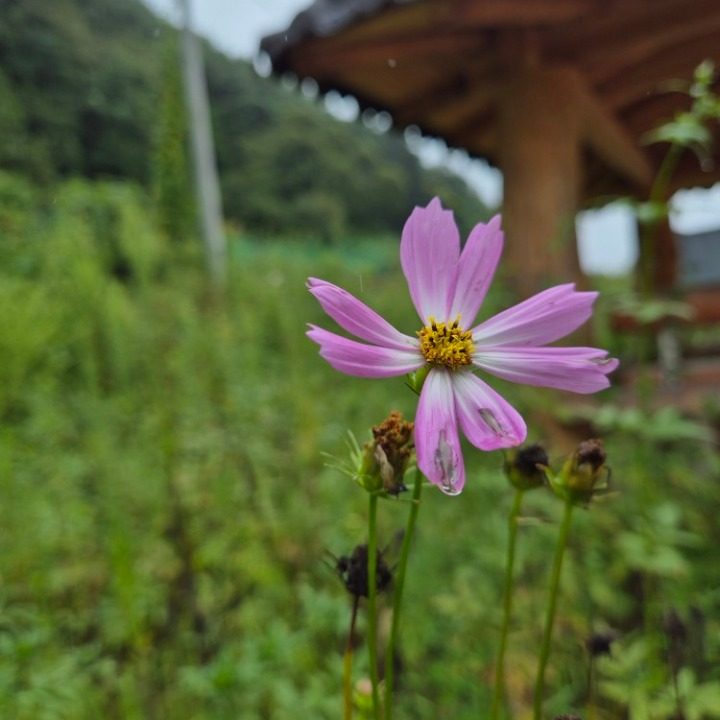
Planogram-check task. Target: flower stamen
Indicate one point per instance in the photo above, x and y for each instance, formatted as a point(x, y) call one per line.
point(446, 344)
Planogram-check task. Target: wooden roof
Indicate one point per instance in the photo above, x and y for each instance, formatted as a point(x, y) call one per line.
point(441, 64)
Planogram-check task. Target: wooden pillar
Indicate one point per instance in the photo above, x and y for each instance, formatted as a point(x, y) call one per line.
point(538, 134)
point(663, 260)
point(547, 117)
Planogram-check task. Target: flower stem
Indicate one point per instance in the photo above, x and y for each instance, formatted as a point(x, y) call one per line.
point(397, 597)
point(347, 663)
point(658, 194)
point(591, 709)
point(372, 605)
point(550, 615)
point(507, 605)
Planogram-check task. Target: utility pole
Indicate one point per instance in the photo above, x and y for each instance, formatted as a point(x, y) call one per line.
point(207, 186)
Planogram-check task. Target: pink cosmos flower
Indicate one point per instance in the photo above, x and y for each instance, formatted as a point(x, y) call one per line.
point(447, 286)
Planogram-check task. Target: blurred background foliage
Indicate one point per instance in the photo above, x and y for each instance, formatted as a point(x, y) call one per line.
point(91, 88)
point(166, 513)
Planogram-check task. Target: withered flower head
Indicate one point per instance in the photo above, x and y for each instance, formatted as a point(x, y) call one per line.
point(525, 467)
point(353, 571)
point(386, 457)
point(584, 473)
point(592, 453)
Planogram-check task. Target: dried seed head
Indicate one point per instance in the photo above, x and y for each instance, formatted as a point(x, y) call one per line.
point(591, 452)
point(387, 455)
point(525, 467)
point(353, 571)
point(584, 473)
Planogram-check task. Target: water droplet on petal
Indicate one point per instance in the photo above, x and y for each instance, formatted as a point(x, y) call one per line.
point(449, 488)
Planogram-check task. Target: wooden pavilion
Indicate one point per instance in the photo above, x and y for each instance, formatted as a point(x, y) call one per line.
point(557, 93)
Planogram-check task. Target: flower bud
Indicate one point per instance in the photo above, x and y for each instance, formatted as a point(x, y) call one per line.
point(584, 473)
point(525, 467)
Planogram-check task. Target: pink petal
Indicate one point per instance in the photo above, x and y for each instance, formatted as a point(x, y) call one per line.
point(429, 252)
point(356, 358)
point(541, 319)
point(476, 268)
point(487, 419)
point(437, 444)
point(357, 318)
point(578, 369)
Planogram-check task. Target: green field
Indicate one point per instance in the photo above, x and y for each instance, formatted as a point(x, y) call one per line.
point(167, 509)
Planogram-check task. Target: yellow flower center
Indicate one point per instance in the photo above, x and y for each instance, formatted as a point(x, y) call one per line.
point(446, 344)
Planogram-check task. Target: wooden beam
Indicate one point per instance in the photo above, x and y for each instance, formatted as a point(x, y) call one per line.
point(612, 58)
point(382, 86)
point(448, 90)
point(652, 74)
point(477, 131)
point(462, 14)
point(647, 114)
point(454, 107)
point(406, 18)
point(448, 48)
point(621, 20)
point(610, 140)
point(518, 13)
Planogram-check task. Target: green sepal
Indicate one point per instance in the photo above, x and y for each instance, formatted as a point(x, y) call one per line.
point(415, 380)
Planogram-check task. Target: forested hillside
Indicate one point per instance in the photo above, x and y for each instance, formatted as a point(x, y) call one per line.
point(90, 88)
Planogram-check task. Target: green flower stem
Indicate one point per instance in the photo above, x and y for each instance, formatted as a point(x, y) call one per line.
point(507, 605)
point(591, 707)
point(552, 603)
point(658, 194)
point(397, 597)
point(347, 664)
point(372, 605)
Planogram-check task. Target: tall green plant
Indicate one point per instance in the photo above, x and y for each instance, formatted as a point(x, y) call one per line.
point(170, 165)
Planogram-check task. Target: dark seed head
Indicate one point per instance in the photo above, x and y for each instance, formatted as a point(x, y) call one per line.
point(600, 643)
point(591, 452)
point(353, 571)
point(524, 466)
point(584, 474)
point(528, 458)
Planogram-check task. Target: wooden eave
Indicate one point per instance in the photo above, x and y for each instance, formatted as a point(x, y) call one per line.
point(438, 64)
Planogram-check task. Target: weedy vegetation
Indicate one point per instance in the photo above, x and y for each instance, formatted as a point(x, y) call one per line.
point(166, 511)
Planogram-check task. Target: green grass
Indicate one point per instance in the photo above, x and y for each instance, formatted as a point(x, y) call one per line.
point(166, 509)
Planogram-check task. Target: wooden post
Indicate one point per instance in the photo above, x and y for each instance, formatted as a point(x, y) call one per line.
point(539, 121)
point(547, 117)
point(207, 186)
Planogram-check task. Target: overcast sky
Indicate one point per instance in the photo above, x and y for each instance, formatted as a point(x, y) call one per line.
point(606, 237)
point(235, 26)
